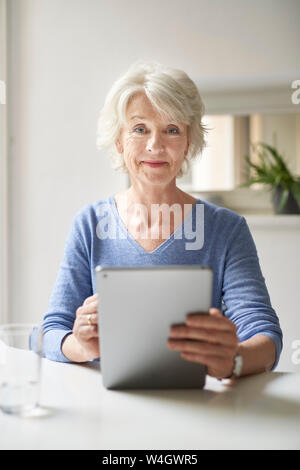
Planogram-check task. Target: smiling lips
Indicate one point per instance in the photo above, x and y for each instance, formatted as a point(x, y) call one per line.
point(154, 163)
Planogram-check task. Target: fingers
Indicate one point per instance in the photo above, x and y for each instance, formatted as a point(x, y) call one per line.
point(90, 299)
point(89, 306)
point(215, 366)
point(92, 307)
point(86, 323)
point(86, 332)
point(213, 328)
point(215, 320)
point(90, 319)
point(215, 312)
point(207, 339)
point(86, 326)
point(202, 348)
point(226, 338)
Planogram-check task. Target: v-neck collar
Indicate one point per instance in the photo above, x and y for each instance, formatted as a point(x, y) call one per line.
point(132, 240)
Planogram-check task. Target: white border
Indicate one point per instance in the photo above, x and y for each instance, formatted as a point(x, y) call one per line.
point(3, 171)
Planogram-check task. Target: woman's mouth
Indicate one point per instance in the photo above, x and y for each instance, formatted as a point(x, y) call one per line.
point(153, 163)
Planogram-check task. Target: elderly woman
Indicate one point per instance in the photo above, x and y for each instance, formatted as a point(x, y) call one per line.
point(152, 123)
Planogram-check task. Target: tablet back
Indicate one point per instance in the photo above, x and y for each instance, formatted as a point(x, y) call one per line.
point(137, 306)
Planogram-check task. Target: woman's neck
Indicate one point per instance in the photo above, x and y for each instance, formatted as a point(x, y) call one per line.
point(156, 195)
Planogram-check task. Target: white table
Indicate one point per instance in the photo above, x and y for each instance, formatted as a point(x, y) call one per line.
point(258, 412)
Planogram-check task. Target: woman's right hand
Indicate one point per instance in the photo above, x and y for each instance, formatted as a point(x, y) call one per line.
point(85, 328)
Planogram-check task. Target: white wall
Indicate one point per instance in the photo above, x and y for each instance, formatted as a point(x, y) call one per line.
point(64, 56)
point(277, 240)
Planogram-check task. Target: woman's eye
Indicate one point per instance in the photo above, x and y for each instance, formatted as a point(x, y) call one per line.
point(139, 130)
point(173, 130)
point(142, 130)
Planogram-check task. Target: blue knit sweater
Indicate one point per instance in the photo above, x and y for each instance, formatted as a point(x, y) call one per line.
point(222, 240)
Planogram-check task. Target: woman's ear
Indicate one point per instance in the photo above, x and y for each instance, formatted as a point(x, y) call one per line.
point(119, 146)
point(118, 142)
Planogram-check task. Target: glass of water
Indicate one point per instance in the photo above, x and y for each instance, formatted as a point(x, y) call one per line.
point(20, 367)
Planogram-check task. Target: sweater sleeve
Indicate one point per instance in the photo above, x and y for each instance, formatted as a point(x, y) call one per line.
point(72, 286)
point(247, 302)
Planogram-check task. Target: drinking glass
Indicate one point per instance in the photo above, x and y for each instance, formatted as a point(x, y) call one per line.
point(20, 367)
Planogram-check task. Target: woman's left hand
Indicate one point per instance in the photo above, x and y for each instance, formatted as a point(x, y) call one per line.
point(208, 339)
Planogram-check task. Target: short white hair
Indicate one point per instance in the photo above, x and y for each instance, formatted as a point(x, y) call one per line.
point(171, 92)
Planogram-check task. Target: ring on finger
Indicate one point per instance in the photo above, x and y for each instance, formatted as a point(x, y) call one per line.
point(89, 319)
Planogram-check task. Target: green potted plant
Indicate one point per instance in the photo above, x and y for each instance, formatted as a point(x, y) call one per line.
point(272, 171)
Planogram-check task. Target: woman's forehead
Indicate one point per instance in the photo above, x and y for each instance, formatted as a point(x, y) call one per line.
point(140, 107)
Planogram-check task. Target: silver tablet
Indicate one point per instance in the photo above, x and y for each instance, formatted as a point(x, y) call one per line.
point(137, 306)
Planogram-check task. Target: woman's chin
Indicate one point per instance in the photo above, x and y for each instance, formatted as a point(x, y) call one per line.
point(158, 178)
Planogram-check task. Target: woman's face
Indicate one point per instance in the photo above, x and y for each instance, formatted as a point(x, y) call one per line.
point(153, 147)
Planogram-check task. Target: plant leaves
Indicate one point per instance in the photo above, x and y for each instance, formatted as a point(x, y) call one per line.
point(296, 191)
point(284, 198)
point(271, 169)
point(278, 158)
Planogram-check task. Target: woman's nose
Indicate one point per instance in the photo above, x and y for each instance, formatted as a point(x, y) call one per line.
point(154, 144)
